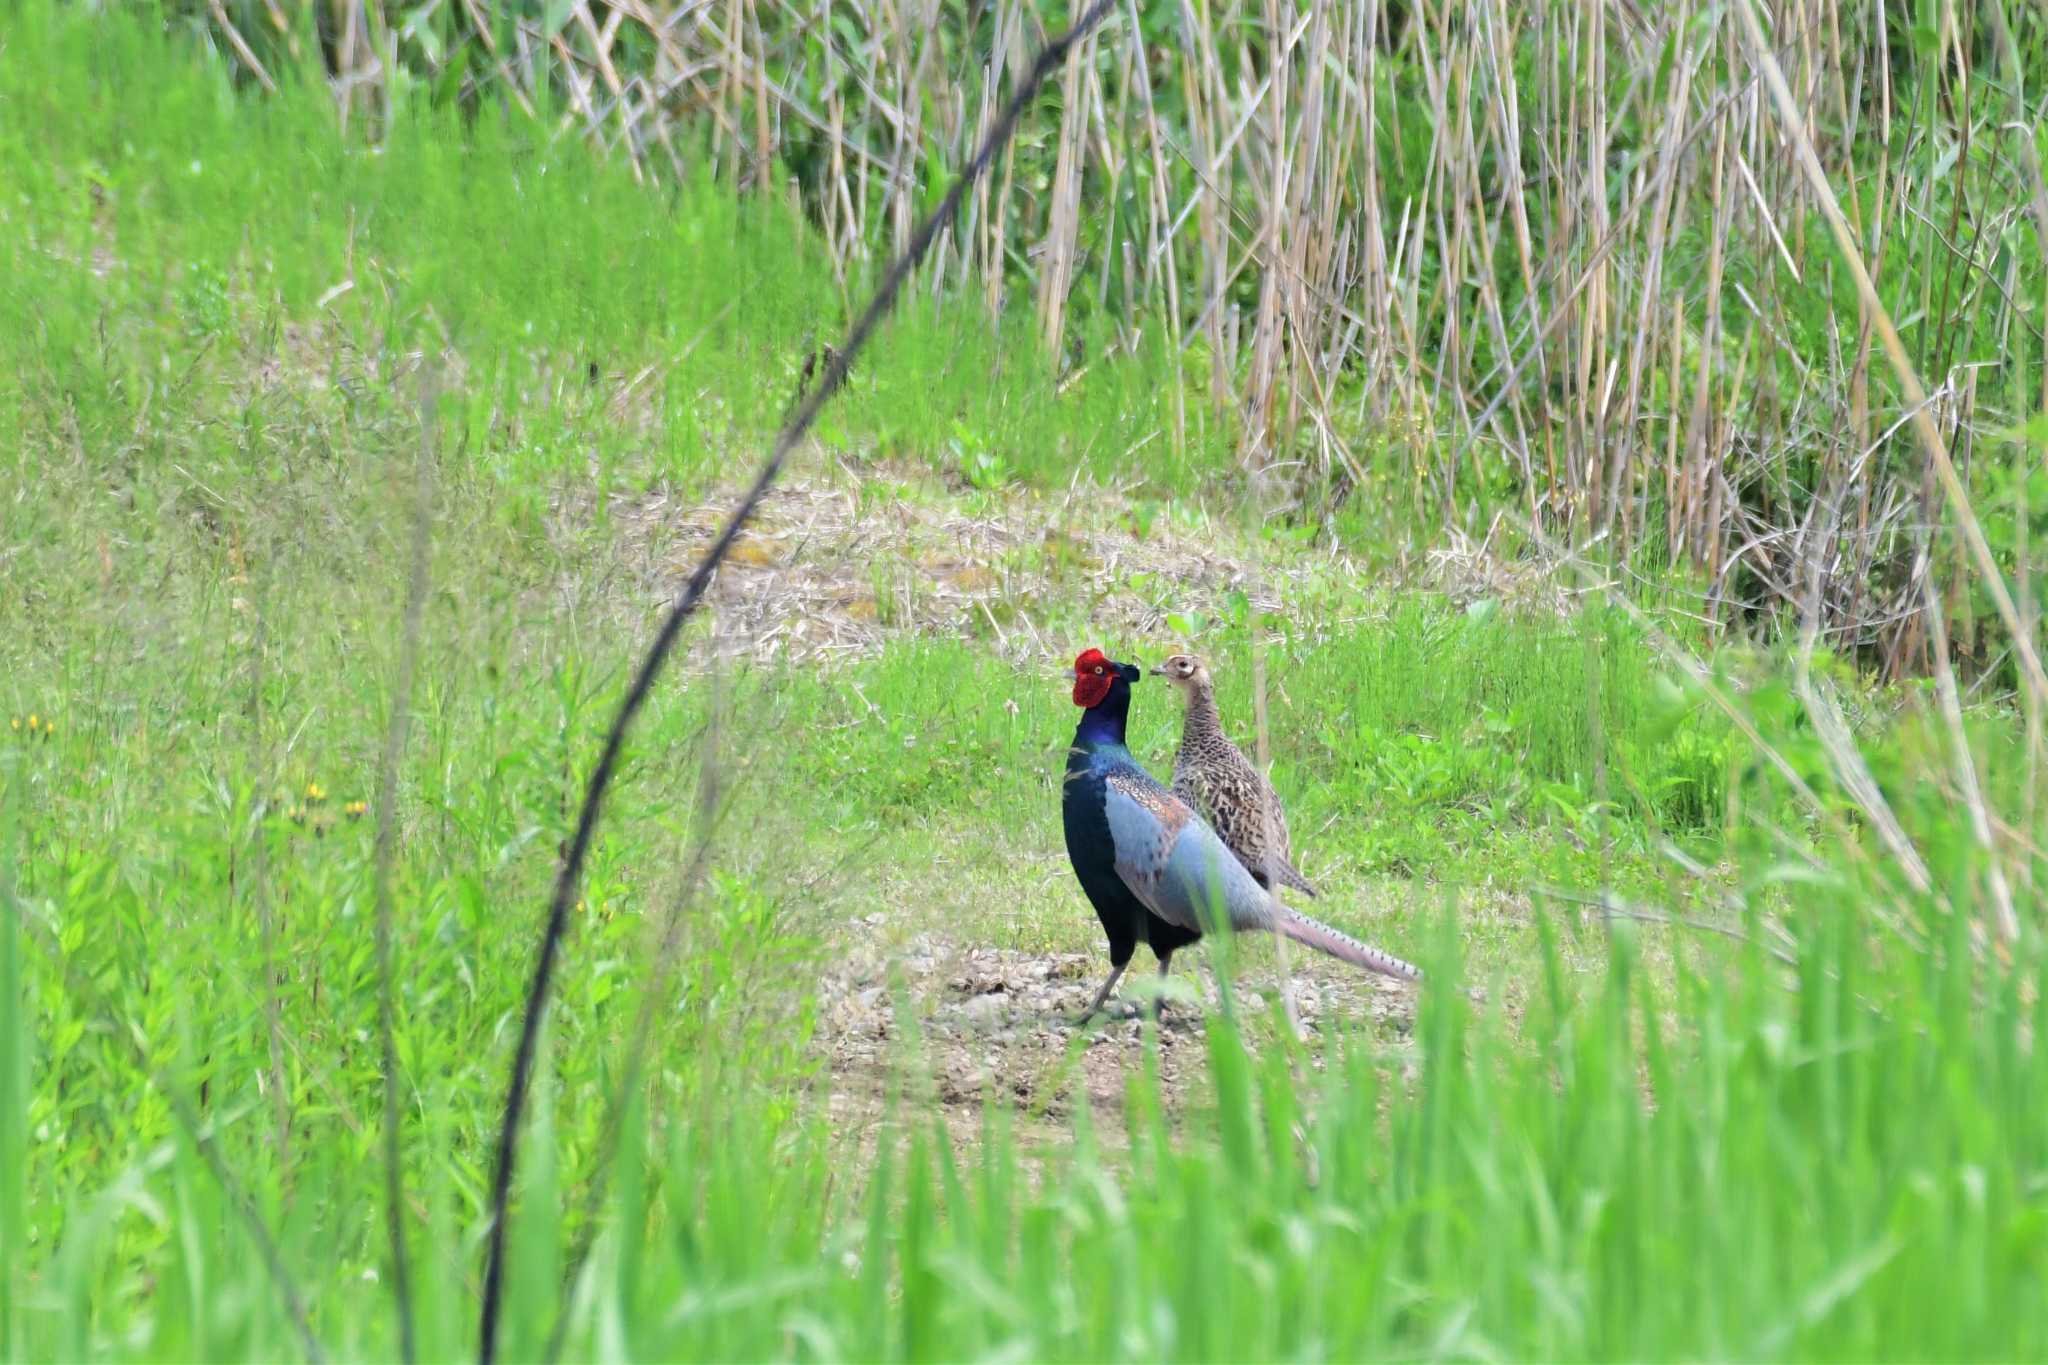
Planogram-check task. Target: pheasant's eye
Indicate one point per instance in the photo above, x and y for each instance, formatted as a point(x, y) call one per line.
point(1098, 670)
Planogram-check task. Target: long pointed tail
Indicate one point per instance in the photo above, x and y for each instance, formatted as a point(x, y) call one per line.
point(1287, 874)
point(1338, 944)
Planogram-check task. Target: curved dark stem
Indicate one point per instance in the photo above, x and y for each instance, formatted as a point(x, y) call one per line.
point(709, 792)
point(679, 613)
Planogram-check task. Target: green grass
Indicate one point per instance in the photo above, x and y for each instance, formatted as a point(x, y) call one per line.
point(218, 226)
point(1638, 1144)
point(1813, 1180)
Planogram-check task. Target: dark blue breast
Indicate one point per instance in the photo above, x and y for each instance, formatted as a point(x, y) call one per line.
point(1081, 811)
point(1089, 845)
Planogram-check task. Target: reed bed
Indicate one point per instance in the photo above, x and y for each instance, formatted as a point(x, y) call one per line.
point(1518, 271)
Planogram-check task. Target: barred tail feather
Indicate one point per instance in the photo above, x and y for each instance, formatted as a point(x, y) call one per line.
point(1286, 874)
point(1338, 944)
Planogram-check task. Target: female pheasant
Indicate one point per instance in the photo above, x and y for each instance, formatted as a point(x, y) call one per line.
point(1152, 868)
point(1212, 775)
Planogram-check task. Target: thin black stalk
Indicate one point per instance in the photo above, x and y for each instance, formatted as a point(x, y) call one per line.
point(679, 613)
point(688, 883)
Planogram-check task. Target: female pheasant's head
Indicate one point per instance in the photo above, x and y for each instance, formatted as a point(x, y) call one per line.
point(1096, 675)
point(1185, 671)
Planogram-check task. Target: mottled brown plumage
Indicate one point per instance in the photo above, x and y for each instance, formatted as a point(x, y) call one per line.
point(1212, 775)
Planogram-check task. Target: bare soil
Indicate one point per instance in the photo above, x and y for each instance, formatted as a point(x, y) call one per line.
point(957, 1027)
point(824, 572)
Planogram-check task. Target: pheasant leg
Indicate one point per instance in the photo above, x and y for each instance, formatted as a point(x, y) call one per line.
point(1095, 1005)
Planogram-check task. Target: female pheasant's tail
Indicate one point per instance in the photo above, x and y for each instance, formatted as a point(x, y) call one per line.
point(1338, 944)
point(1286, 874)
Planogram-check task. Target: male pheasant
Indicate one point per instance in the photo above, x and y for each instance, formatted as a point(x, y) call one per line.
point(1152, 868)
point(1214, 777)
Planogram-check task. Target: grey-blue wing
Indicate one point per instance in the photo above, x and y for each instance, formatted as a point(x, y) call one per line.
point(1174, 863)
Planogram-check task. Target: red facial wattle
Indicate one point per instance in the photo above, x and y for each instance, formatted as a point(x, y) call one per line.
point(1093, 674)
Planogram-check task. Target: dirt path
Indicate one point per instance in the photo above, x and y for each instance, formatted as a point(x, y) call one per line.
point(956, 1027)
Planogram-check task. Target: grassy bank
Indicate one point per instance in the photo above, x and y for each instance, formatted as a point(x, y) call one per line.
point(1807, 1120)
